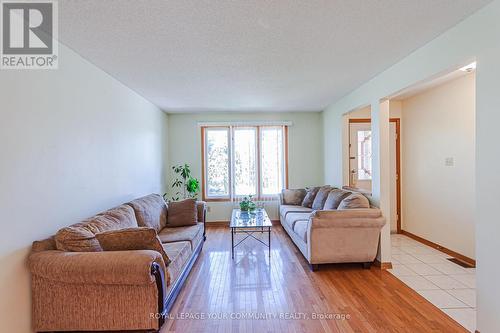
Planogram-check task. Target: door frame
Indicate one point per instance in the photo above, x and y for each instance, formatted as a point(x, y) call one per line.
point(397, 121)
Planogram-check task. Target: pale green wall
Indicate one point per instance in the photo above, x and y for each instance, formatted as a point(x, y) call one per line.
point(305, 148)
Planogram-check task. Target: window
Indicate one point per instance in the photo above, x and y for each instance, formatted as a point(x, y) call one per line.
point(243, 160)
point(364, 155)
point(271, 160)
point(217, 157)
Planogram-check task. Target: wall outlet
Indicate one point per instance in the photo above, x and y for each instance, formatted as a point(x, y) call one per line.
point(449, 161)
point(209, 209)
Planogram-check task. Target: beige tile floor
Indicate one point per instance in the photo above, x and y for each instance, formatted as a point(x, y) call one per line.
point(448, 286)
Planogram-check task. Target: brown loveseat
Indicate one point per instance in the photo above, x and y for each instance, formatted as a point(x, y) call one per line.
point(330, 225)
point(78, 287)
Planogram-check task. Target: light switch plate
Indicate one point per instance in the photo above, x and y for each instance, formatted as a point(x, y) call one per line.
point(449, 161)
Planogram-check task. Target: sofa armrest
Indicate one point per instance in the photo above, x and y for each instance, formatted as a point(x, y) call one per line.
point(348, 218)
point(103, 268)
point(201, 208)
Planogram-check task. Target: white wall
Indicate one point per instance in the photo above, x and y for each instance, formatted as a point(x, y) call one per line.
point(474, 38)
point(73, 142)
point(363, 113)
point(305, 149)
point(438, 200)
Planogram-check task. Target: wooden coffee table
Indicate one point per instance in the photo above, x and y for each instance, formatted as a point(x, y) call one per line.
point(250, 223)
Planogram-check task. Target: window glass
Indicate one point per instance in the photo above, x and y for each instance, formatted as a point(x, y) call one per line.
point(217, 162)
point(245, 161)
point(364, 155)
point(241, 161)
point(271, 160)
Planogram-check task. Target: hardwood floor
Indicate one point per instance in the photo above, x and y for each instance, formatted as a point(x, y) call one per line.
point(219, 291)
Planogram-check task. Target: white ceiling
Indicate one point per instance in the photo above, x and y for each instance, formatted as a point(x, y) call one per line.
point(251, 55)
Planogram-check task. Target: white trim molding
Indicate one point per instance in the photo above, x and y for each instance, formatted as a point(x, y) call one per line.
point(244, 123)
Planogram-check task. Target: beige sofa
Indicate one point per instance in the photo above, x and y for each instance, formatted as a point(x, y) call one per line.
point(76, 287)
point(334, 235)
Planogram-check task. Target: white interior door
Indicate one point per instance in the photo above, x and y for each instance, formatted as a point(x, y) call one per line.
point(360, 156)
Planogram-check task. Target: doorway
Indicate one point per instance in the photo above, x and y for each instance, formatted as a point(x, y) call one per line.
point(360, 165)
point(360, 154)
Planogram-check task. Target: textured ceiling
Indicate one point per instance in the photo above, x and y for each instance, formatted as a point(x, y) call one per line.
point(251, 55)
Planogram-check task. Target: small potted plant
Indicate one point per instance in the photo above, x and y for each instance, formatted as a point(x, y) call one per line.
point(247, 205)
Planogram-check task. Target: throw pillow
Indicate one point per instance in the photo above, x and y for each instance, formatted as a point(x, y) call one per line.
point(334, 198)
point(293, 197)
point(353, 201)
point(77, 238)
point(182, 213)
point(141, 238)
point(320, 198)
point(310, 195)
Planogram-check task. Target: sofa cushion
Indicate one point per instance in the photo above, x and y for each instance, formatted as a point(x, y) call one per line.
point(179, 254)
point(80, 237)
point(128, 239)
point(292, 218)
point(192, 234)
point(310, 195)
point(285, 209)
point(335, 197)
point(293, 196)
point(300, 228)
point(150, 211)
point(321, 196)
point(182, 213)
point(124, 216)
point(354, 201)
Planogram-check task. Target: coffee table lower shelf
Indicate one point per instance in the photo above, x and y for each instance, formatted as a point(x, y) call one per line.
point(250, 234)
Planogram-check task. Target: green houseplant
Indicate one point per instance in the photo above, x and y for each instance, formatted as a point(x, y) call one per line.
point(247, 204)
point(184, 185)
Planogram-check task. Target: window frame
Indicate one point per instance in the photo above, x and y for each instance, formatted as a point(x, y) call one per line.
point(204, 176)
point(284, 168)
point(232, 184)
point(230, 129)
